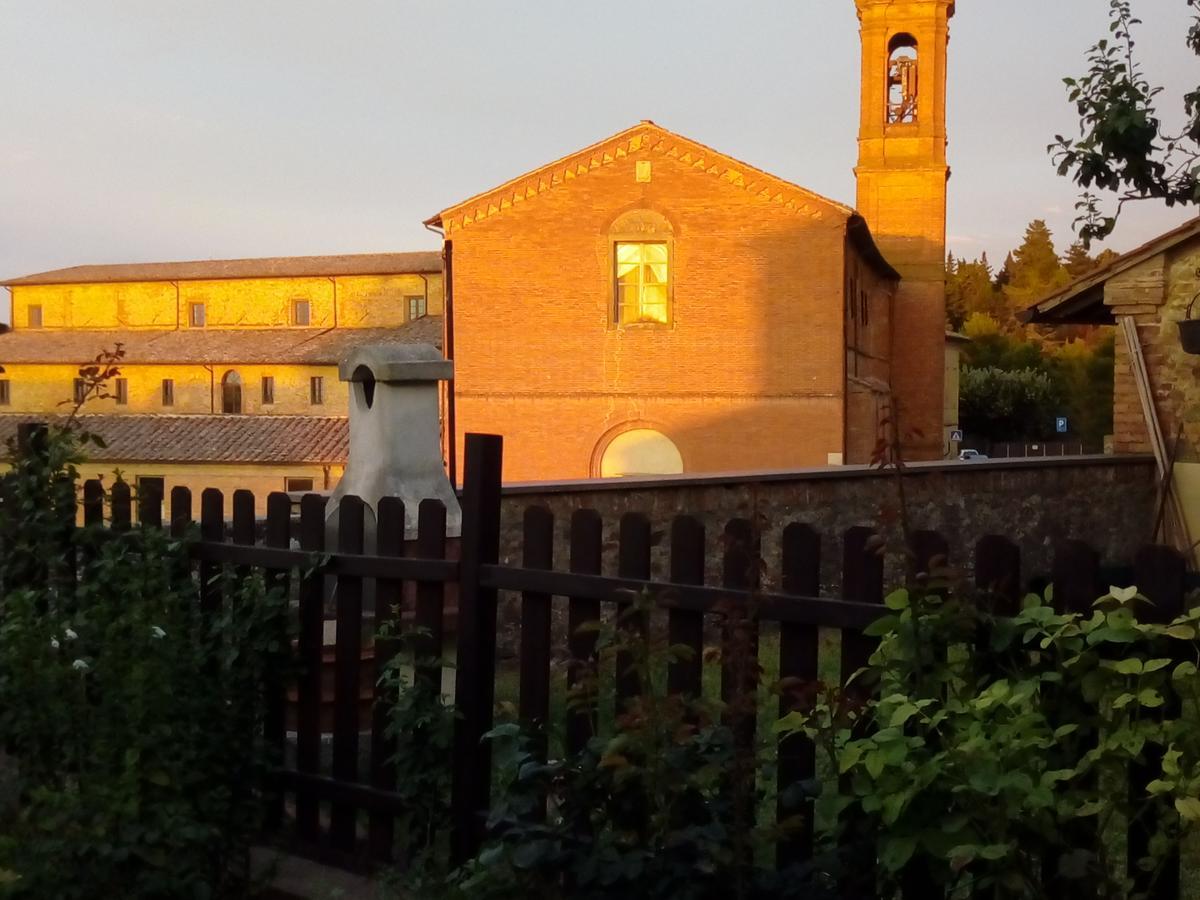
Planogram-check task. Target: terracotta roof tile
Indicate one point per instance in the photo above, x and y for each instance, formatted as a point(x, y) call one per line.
point(230, 346)
point(423, 262)
point(208, 439)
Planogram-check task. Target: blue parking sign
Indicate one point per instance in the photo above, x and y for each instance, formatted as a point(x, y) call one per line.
point(1061, 424)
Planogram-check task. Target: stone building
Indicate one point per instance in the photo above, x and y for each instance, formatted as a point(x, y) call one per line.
point(229, 377)
point(1153, 286)
point(650, 305)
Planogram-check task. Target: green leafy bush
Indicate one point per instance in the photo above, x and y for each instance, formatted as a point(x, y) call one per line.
point(995, 761)
point(130, 718)
point(659, 807)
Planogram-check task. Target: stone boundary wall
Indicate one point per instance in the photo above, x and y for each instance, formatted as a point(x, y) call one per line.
point(1107, 501)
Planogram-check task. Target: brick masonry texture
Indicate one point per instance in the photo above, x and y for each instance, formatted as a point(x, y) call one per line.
point(1105, 501)
point(748, 374)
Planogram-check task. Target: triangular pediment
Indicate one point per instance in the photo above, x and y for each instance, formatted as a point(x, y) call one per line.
point(645, 137)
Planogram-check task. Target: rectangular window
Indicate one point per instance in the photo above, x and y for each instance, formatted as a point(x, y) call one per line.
point(122, 392)
point(33, 316)
point(268, 390)
point(641, 283)
point(298, 485)
point(79, 392)
point(5, 396)
point(196, 315)
point(316, 390)
point(168, 392)
point(416, 308)
point(300, 312)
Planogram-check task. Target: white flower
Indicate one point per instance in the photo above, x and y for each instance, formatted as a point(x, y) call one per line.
point(53, 643)
point(80, 665)
point(157, 633)
point(70, 635)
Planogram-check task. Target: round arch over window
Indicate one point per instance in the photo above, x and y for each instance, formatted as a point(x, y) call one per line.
point(640, 451)
point(231, 393)
point(902, 80)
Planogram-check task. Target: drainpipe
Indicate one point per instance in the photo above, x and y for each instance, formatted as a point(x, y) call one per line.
point(333, 281)
point(177, 320)
point(448, 349)
point(212, 390)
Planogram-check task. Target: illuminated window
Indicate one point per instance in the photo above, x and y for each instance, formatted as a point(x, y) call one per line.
point(641, 283)
point(316, 390)
point(300, 312)
point(33, 316)
point(122, 394)
point(416, 308)
point(196, 315)
point(642, 451)
point(298, 485)
point(268, 390)
point(79, 391)
point(5, 395)
point(168, 392)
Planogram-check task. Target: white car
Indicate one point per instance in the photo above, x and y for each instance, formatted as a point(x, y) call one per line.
point(966, 455)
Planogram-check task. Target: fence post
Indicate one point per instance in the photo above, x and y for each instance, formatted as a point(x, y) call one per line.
point(1160, 577)
point(347, 683)
point(998, 574)
point(279, 521)
point(538, 553)
point(798, 648)
point(310, 646)
point(686, 627)
point(475, 682)
point(587, 541)
point(633, 561)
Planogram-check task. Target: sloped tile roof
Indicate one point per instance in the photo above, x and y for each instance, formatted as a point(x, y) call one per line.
point(229, 346)
point(418, 262)
point(207, 439)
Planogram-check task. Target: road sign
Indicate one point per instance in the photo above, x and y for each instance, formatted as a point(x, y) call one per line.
point(956, 434)
point(1060, 424)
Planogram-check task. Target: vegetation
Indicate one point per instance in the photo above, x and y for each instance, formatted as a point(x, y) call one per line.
point(129, 716)
point(1124, 148)
point(1018, 379)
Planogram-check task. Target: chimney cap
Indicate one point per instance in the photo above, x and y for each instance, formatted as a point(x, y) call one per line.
point(395, 364)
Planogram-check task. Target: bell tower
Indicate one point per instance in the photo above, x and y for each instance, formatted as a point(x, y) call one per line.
point(902, 174)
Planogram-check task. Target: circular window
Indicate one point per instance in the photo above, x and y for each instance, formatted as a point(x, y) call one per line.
point(640, 452)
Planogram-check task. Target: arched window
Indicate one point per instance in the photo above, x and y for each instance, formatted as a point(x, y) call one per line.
point(231, 394)
point(641, 451)
point(902, 80)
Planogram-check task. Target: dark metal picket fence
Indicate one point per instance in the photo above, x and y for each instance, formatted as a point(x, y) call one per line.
point(347, 811)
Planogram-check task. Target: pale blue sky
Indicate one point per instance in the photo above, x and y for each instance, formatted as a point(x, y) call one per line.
point(160, 129)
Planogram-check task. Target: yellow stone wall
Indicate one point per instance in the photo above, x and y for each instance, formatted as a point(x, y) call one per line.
point(260, 479)
point(362, 301)
point(42, 388)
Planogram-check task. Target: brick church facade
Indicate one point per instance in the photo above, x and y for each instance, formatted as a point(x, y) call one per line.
point(650, 305)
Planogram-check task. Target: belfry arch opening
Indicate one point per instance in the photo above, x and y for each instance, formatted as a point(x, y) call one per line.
point(902, 86)
point(640, 451)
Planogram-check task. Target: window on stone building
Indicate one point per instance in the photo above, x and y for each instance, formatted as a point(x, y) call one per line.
point(316, 390)
point(196, 316)
point(902, 80)
point(301, 312)
point(268, 390)
point(298, 485)
point(5, 392)
point(79, 390)
point(168, 392)
point(121, 394)
point(231, 394)
point(416, 308)
point(33, 316)
point(642, 282)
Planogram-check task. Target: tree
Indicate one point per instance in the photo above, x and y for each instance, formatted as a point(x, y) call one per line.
point(999, 405)
point(1123, 148)
point(1077, 261)
point(1035, 270)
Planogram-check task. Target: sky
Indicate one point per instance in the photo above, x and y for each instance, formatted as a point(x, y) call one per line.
point(153, 130)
